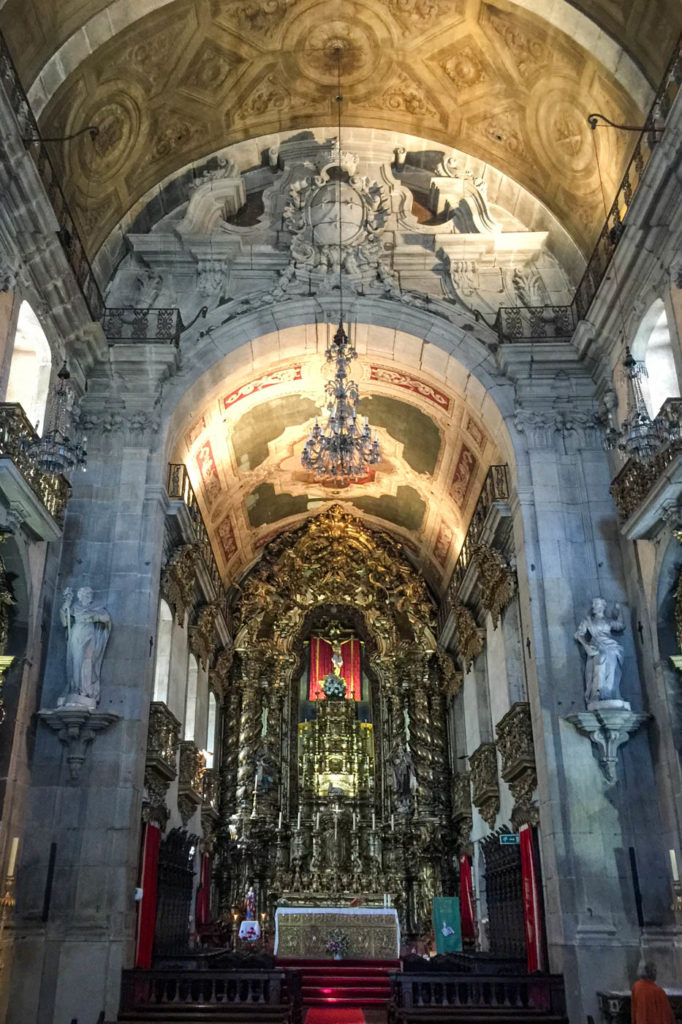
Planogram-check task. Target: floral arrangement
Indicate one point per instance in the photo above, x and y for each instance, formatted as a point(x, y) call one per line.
point(338, 943)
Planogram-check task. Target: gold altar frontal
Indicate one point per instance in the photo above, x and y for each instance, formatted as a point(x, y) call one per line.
point(303, 932)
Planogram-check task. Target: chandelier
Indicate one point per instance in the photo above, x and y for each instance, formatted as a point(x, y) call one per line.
point(639, 436)
point(342, 450)
point(55, 453)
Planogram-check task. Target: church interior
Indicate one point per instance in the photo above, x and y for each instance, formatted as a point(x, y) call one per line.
point(340, 510)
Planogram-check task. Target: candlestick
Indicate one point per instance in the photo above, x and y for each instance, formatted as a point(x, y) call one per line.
point(392, 823)
point(673, 866)
point(13, 856)
point(374, 821)
point(279, 823)
point(317, 820)
point(354, 821)
point(298, 823)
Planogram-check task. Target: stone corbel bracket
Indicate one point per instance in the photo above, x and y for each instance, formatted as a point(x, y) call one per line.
point(607, 730)
point(76, 728)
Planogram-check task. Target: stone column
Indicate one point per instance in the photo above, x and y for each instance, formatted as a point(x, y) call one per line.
point(565, 524)
point(76, 912)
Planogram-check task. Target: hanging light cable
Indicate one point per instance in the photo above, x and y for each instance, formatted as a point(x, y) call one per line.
point(342, 450)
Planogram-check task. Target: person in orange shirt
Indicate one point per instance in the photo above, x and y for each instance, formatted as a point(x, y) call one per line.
point(649, 1003)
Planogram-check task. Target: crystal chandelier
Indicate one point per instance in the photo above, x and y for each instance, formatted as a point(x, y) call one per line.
point(639, 436)
point(55, 453)
point(342, 450)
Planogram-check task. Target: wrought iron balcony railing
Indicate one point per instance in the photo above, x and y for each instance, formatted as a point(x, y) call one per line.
point(68, 232)
point(495, 488)
point(535, 323)
point(148, 325)
point(16, 433)
point(180, 489)
point(635, 483)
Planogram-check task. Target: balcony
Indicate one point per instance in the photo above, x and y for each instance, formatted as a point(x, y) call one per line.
point(181, 493)
point(132, 325)
point(646, 493)
point(39, 499)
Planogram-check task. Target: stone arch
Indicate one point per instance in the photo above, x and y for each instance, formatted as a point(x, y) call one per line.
point(653, 346)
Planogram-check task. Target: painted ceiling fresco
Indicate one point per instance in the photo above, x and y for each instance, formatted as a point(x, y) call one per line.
point(243, 451)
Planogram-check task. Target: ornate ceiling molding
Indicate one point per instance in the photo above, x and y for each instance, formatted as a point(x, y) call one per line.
point(190, 78)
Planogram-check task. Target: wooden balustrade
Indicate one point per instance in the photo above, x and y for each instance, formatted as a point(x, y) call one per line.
point(452, 996)
point(262, 995)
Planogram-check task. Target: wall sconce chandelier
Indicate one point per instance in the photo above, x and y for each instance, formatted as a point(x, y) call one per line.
point(342, 450)
point(639, 436)
point(55, 453)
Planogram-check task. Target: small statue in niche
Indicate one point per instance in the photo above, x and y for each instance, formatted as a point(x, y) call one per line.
point(251, 904)
point(604, 665)
point(404, 779)
point(87, 627)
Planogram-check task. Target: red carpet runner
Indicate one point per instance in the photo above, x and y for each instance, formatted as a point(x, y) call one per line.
point(328, 1015)
point(343, 983)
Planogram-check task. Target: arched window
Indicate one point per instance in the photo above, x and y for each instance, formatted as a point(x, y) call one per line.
point(29, 371)
point(652, 345)
point(211, 732)
point(191, 698)
point(164, 633)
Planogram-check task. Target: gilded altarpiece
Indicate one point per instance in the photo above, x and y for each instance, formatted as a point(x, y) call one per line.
point(335, 798)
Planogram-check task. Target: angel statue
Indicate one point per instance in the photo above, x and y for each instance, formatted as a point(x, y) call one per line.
point(87, 627)
point(604, 666)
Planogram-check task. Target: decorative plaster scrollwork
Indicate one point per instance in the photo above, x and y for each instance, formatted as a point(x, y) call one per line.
point(496, 579)
point(485, 788)
point(467, 634)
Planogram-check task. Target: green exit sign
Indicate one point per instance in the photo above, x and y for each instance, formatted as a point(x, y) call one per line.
point(509, 839)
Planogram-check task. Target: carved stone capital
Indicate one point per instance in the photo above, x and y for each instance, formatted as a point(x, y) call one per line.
point(484, 785)
point(607, 731)
point(76, 728)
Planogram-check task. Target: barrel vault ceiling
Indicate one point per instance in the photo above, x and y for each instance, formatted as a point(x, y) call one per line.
point(170, 82)
point(189, 77)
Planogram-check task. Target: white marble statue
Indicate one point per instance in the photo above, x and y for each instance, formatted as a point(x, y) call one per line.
point(604, 666)
point(87, 627)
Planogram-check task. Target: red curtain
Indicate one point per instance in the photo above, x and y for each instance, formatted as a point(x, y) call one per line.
point(203, 908)
point(320, 666)
point(146, 920)
point(466, 900)
point(350, 670)
point(531, 901)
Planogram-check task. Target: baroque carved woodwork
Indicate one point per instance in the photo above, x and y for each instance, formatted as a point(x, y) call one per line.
point(517, 750)
point(178, 579)
point(496, 580)
point(190, 779)
point(163, 737)
point(342, 829)
point(468, 638)
point(462, 814)
point(485, 789)
point(203, 639)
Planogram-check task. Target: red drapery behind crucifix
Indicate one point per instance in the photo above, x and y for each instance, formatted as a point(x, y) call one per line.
point(321, 666)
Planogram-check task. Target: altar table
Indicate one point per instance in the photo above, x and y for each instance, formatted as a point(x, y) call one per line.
point(303, 932)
